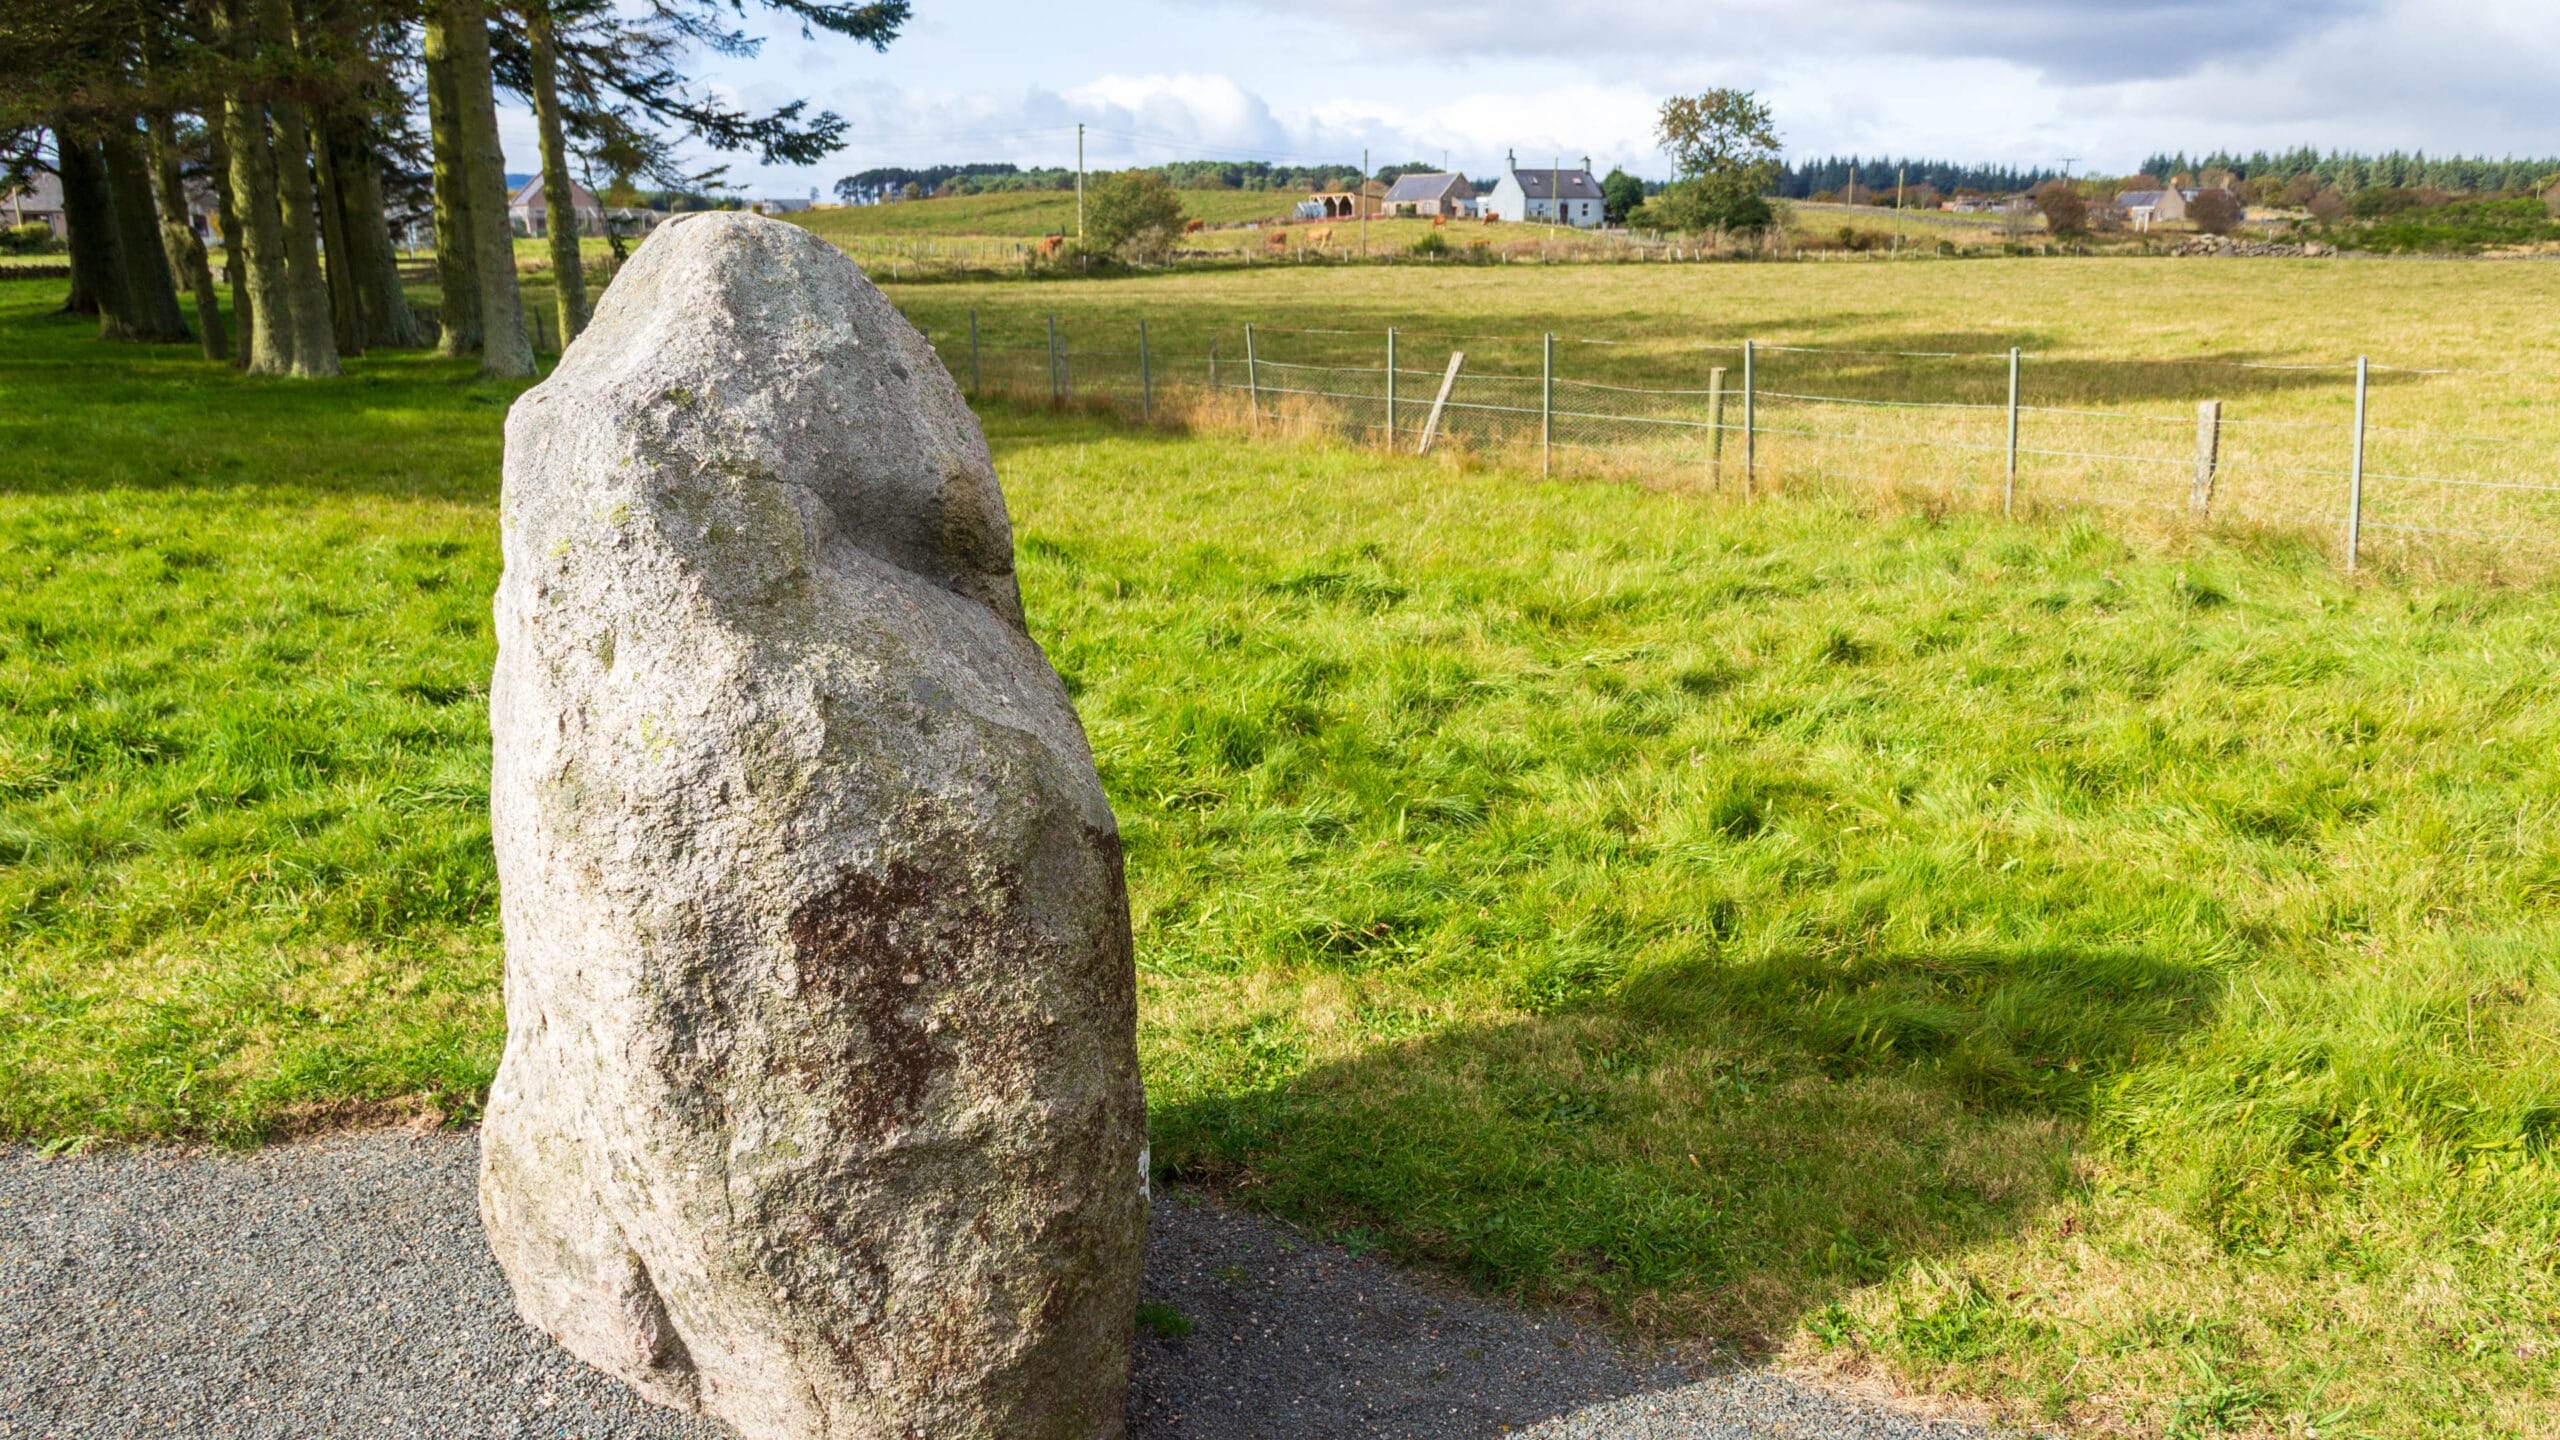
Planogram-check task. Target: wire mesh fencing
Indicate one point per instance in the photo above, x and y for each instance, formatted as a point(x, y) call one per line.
point(2367, 455)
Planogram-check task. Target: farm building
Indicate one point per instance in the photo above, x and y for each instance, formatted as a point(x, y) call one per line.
point(1369, 199)
point(530, 213)
point(1551, 197)
point(1440, 195)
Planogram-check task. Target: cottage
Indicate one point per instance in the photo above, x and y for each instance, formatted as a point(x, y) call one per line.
point(40, 203)
point(2143, 208)
point(530, 213)
point(1553, 197)
point(787, 205)
point(1439, 195)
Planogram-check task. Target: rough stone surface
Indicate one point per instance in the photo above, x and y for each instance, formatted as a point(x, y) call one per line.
point(819, 1110)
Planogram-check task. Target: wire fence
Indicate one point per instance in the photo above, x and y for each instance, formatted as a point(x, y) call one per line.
point(2366, 454)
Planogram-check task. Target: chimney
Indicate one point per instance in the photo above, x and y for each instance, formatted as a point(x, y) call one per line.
point(1586, 164)
point(1510, 159)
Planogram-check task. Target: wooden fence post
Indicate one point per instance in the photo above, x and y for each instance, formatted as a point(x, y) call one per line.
point(2208, 457)
point(2355, 477)
point(1547, 406)
point(1715, 427)
point(1750, 419)
point(1252, 380)
point(2009, 482)
point(1391, 389)
point(1448, 382)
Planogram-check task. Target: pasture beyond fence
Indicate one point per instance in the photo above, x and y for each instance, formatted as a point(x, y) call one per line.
point(2365, 453)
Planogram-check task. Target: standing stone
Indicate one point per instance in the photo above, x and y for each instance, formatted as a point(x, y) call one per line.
point(820, 1108)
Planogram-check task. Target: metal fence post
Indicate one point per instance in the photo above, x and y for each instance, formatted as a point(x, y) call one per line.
point(1054, 396)
point(1146, 380)
point(2009, 485)
point(2208, 457)
point(1252, 380)
point(1391, 389)
point(1715, 427)
point(2355, 477)
point(1547, 406)
point(973, 351)
point(1066, 380)
point(1750, 419)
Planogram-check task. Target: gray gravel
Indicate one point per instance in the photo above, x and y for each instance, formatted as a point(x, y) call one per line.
point(341, 1288)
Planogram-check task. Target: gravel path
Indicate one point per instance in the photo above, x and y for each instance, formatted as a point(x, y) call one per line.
point(341, 1288)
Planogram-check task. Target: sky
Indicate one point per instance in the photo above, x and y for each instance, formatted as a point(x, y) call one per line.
point(2098, 83)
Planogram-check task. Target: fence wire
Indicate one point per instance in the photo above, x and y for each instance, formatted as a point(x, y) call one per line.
point(1753, 415)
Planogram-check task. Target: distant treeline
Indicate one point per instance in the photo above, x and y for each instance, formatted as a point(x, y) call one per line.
point(2349, 173)
point(1818, 177)
point(895, 182)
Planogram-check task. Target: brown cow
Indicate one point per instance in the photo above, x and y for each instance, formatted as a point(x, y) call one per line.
point(1194, 226)
point(1049, 245)
point(1321, 236)
point(1277, 240)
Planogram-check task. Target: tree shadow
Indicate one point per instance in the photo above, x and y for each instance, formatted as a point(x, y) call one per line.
point(1712, 1148)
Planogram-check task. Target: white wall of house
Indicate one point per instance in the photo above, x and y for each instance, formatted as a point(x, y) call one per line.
point(1510, 201)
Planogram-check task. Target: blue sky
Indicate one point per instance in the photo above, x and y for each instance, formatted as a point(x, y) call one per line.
point(2020, 81)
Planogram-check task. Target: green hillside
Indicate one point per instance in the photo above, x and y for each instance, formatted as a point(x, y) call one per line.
point(1022, 213)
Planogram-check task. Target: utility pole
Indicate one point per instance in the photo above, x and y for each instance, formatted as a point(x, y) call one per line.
point(1079, 182)
point(1901, 173)
point(1361, 199)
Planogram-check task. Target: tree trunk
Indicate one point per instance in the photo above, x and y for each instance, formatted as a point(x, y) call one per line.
point(89, 217)
point(346, 317)
point(559, 193)
point(505, 353)
point(315, 347)
point(457, 278)
point(151, 296)
point(235, 272)
point(178, 235)
point(372, 261)
point(260, 236)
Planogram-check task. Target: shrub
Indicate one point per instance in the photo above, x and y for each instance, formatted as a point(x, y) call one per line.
point(1695, 206)
point(2216, 212)
point(2376, 201)
point(32, 238)
point(1133, 214)
point(2298, 191)
point(1432, 246)
point(2328, 207)
point(2065, 211)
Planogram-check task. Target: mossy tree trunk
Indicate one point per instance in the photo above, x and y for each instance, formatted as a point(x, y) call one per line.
point(178, 236)
point(372, 260)
point(235, 270)
point(151, 310)
point(505, 353)
point(559, 193)
point(89, 217)
point(260, 237)
point(346, 315)
point(315, 346)
point(457, 276)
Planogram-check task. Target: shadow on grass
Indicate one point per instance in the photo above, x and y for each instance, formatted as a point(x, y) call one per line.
point(87, 415)
point(1713, 1148)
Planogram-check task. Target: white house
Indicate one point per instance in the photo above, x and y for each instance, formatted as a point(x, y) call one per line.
point(1549, 197)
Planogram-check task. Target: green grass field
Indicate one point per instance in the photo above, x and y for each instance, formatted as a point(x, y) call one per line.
point(2111, 978)
point(1021, 214)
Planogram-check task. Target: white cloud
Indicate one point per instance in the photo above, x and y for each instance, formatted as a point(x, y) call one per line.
point(2011, 81)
